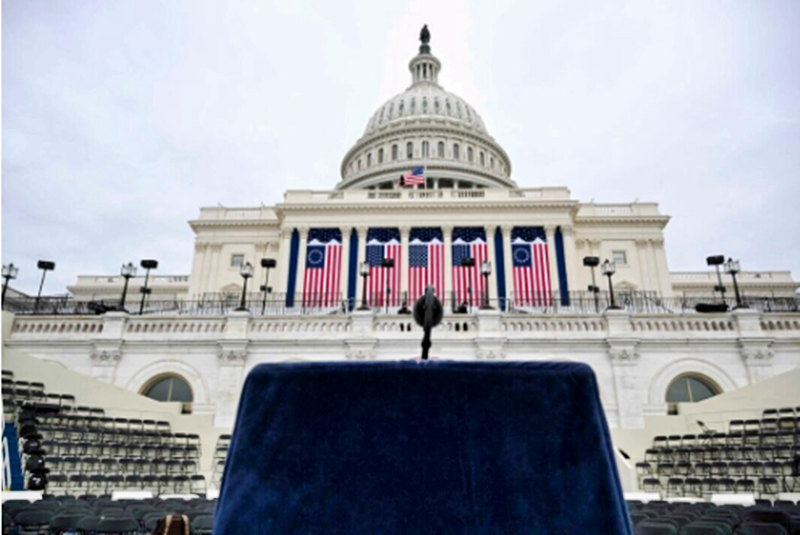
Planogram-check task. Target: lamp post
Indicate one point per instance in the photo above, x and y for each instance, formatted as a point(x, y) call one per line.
point(127, 271)
point(145, 290)
point(732, 267)
point(266, 263)
point(387, 263)
point(468, 263)
point(45, 266)
point(10, 273)
point(592, 262)
point(246, 271)
point(486, 270)
point(609, 268)
point(364, 270)
point(716, 261)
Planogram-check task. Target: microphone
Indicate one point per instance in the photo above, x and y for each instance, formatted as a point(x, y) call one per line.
point(428, 313)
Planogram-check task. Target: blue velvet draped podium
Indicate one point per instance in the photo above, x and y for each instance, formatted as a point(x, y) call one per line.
point(414, 447)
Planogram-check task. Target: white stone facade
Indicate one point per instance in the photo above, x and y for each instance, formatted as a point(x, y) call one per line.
point(635, 356)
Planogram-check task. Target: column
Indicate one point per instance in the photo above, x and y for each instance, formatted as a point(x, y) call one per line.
point(283, 259)
point(644, 268)
point(568, 234)
point(448, 264)
point(362, 255)
point(492, 289)
point(509, 265)
point(301, 260)
point(345, 267)
point(550, 233)
point(213, 281)
point(404, 240)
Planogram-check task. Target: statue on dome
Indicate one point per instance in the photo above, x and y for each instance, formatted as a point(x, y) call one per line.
point(425, 35)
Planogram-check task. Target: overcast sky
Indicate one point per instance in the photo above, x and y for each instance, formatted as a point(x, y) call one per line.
point(121, 118)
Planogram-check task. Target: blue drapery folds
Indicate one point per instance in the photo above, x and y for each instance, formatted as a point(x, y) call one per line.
point(422, 447)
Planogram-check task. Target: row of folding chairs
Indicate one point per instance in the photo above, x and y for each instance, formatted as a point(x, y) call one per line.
point(735, 438)
point(146, 438)
point(97, 484)
point(718, 468)
point(111, 466)
point(724, 453)
point(100, 421)
point(700, 487)
point(782, 411)
point(59, 448)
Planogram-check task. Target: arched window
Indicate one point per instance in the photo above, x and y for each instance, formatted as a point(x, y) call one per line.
point(409, 150)
point(425, 149)
point(492, 160)
point(483, 159)
point(369, 159)
point(169, 388)
point(469, 154)
point(440, 149)
point(380, 155)
point(400, 108)
point(456, 151)
point(394, 152)
point(691, 389)
point(359, 164)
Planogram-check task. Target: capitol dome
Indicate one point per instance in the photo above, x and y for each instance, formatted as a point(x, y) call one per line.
point(426, 126)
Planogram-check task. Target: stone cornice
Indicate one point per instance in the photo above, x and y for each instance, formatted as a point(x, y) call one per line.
point(661, 221)
point(200, 223)
point(382, 205)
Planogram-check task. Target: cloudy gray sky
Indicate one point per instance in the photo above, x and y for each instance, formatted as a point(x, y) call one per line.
point(122, 117)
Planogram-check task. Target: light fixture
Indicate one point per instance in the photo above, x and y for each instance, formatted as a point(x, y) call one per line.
point(145, 290)
point(609, 268)
point(127, 271)
point(10, 273)
point(45, 266)
point(486, 270)
point(733, 268)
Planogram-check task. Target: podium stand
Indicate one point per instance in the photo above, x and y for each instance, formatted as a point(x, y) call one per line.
point(421, 447)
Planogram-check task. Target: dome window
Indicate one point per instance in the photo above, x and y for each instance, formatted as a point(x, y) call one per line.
point(447, 106)
point(409, 150)
point(400, 108)
point(483, 159)
point(440, 149)
point(456, 151)
point(380, 155)
point(359, 164)
point(469, 154)
point(413, 104)
point(394, 152)
point(369, 160)
point(492, 161)
point(458, 108)
point(436, 104)
point(425, 104)
point(425, 149)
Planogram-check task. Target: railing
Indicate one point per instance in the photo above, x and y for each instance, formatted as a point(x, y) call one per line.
point(277, 304)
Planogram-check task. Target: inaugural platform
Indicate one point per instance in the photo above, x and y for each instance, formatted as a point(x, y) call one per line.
point(421, 447)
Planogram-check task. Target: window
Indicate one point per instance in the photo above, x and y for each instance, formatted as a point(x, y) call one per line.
point(619, 258)
point(483, 159)
point(237, 260)
point(691, 389)
point(491, 160)
point(359, 164)
point(425, 149)
point(400, 108)
point(456, 151)
point(445, 183)
point(380, 155)
point(369, 159)
point(169, 388)
point(440, 149)
point(469, 154)
point(429, 183)
point(394, 152)
point(409, 150)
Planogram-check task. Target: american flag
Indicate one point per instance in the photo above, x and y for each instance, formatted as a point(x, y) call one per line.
point(383, 243)
point(323, 268)
point(413, 177)
point(531, 267)
point(469, 242)
point(425, 262)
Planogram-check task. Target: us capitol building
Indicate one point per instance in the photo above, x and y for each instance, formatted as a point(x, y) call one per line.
point(508, 262)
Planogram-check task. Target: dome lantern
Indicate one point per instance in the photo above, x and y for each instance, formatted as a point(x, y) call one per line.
point(425, 66)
